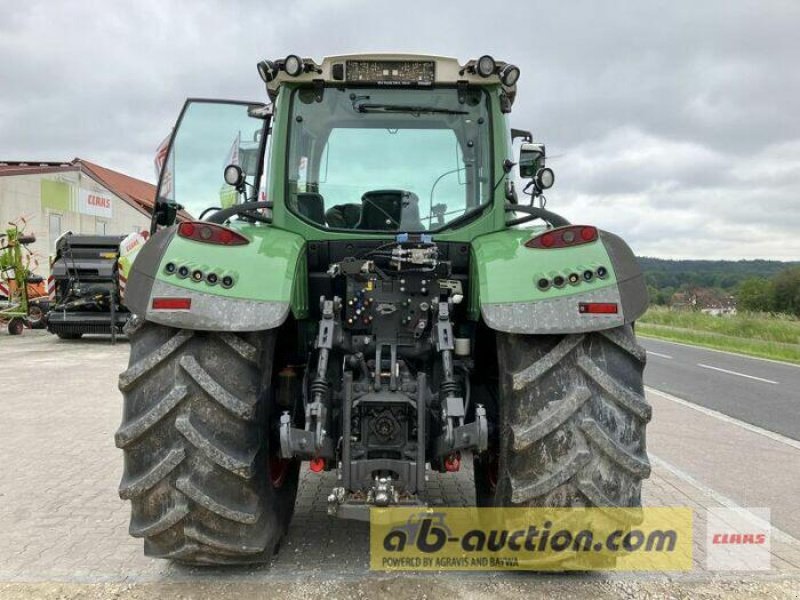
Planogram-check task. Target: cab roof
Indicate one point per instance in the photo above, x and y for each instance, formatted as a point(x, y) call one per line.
point(385, 69)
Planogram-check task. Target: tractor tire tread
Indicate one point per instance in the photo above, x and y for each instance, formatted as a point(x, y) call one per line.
point(193, 433)
point(572, 420)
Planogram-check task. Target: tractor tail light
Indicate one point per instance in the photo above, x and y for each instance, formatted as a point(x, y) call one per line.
point(210, 233)
point(564, 237)
point(598, 308)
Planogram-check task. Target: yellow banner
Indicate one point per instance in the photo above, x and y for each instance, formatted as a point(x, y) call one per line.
point(540, 539)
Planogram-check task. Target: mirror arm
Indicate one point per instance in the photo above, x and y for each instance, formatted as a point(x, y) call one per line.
point(253, 189)
point(511, 192)
point(526, 136)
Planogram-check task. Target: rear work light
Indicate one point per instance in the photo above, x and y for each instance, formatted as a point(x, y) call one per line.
point(210, 233)
point(172, 303)
point(563, 237)
point(598, 308)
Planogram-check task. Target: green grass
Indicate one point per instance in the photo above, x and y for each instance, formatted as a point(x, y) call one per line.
point(767, 336)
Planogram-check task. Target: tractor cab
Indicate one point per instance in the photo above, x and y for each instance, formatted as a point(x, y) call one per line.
point(374, 144)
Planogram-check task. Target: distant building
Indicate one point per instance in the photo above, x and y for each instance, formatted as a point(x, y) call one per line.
point(77, 196)
point(720, 311)
point(707, 300)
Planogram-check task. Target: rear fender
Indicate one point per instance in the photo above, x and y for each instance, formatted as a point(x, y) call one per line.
point(264, 273)
point(511, 300)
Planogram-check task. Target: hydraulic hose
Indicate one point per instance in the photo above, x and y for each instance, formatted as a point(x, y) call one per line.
point(226, 213)
point(534, 212)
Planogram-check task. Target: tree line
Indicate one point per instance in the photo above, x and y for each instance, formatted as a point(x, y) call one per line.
point(778, 294)
point(757, 285)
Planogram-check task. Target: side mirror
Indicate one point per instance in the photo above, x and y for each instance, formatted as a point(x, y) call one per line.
point(531, 160)
point(166, 213)
point(234, 176)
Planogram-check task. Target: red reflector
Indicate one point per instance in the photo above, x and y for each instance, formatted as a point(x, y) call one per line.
point(317, 464)
point(598, 308)
point(172, 303)
point(211, 233)
point(452, 463)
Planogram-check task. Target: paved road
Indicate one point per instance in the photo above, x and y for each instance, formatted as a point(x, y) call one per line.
point(64, 529)
point(759, 392)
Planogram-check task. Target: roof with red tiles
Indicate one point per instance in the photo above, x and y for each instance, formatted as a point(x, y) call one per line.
point(139, 194)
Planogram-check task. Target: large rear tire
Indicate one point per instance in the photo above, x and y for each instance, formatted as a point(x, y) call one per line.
point(572, 415)
point(203, 485)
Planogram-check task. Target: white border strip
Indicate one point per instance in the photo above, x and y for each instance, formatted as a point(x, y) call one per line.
point(777, 534)
point(777, 437)
point(698, 347)
point(721, 370)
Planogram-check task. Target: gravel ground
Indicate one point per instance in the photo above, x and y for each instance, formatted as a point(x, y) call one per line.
point(408, 588)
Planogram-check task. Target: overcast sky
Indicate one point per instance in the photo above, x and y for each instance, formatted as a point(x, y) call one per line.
point(675, 124)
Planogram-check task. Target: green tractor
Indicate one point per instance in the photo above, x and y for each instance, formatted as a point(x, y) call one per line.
point(379, 301)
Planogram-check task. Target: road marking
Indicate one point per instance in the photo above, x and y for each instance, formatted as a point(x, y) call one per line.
point(737, 373)
point(776, 533)
point(739, 354)
point(776, 437)
point(667, 356)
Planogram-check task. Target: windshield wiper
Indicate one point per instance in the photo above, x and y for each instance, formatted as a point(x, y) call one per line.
point(404, 108)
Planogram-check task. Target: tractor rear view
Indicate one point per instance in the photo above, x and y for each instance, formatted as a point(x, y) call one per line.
point(369, 292)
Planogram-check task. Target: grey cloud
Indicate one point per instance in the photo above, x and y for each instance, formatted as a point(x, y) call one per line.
point(668, 121)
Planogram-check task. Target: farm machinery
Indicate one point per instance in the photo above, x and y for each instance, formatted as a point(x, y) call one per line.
point(21, 303)
point(382, 301)
point(88, 280)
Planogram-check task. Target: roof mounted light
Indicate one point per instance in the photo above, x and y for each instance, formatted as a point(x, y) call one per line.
point(293, 65)
point(485, 66)
point(545, 178)
point(233, 175)
point(509, 75)
point(267, 70)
